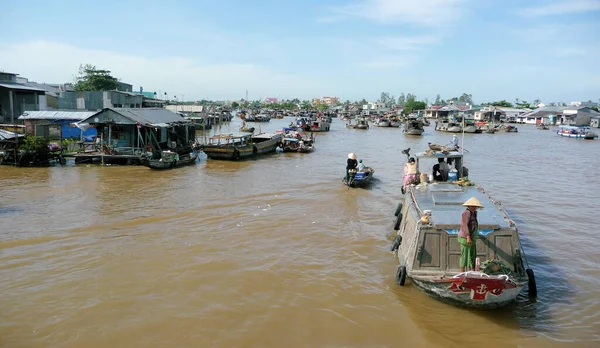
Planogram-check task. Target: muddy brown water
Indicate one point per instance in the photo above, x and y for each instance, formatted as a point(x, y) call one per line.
point(276, 252)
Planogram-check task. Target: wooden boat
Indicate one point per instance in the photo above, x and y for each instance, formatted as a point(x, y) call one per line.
point(359, 178)
point(361, 123)
point(381, 122)
point(169, 160)
point(511, 129)
point(258, 118)
point(413, 126)
point(318, 125)
point(578, 132)
point(240, 146)
point(448, 126)
point(542, 126)
point(245, 128)
point(290, 144)
point(428, 221)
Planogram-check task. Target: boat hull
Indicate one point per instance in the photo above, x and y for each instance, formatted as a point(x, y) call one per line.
point(476, 295)
point(158, 164)
point(228, 152)
point(471, 129)
point(414, 131)
point(360, 178)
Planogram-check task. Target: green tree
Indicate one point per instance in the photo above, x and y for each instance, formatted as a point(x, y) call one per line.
point(502, 103)
point(384, 97)
point(410, 98)
point(401, 99)
point(467, 98)
point(523, 105)
point(413, 105)
point(235, 105)
point(92, 79)
point(438, 100)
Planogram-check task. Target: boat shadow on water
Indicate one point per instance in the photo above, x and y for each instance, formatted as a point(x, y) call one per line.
point(554, 290)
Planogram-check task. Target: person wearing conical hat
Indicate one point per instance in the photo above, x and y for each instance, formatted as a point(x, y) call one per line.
point(351, 164)
point(467, 236)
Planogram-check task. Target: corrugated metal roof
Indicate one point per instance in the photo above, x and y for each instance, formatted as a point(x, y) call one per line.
point(6, 135)
point(56, 115)
point(20, 87)
point(146, 116)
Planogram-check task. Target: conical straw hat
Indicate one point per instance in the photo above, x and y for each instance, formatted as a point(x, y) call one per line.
point(351, 156)
point(473, 202)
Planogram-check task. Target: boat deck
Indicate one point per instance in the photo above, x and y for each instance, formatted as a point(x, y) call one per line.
point(445, 202)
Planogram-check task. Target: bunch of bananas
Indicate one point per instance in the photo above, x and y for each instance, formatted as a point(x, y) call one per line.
point(463, 182)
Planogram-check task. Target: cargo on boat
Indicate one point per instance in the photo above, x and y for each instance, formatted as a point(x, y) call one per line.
point(428, 222)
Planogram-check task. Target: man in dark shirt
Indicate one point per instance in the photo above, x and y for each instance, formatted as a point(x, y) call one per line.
point(352, 163)
point(440, 170)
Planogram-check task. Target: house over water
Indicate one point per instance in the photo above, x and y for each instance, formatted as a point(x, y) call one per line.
point(125, 134)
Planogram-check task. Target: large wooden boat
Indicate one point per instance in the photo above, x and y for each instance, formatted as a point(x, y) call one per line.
point(413, 126)
point(321, 124)
point(428, 221)
point(361, 123)
point(239, 146)
point(448, 126)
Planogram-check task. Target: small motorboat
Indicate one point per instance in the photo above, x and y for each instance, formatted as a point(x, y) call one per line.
point(359, 178)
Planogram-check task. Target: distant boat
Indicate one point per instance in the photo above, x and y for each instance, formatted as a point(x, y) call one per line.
point(361, 123)
point(413, 126)
point(169, 160)
point(239, 146)
point(578, 132)
point(448, 126)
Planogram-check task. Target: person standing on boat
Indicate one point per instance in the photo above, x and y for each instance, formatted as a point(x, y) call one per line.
point(454, 142)
point(467, 236)
point(411, 173)
point(351, 164)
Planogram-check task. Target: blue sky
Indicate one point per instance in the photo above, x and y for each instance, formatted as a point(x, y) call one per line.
point(530, 49)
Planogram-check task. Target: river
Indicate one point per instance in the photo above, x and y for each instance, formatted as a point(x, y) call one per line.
point(277, 252)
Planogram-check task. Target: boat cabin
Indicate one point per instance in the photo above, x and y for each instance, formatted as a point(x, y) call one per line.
point(426, 161)
point(230, 139)
point(437, 249)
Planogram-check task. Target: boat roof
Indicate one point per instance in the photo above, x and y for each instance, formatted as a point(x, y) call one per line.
point(573, 127)
point(231, 135)
point(445, 202)
point(267, 135)
point(437, 154)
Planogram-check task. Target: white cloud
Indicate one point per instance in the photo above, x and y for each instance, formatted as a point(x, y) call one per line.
point(562, 8)
point(52, 62)
point(431, 13)
point(571, 51)
point(390, 61)
point(407, 43)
